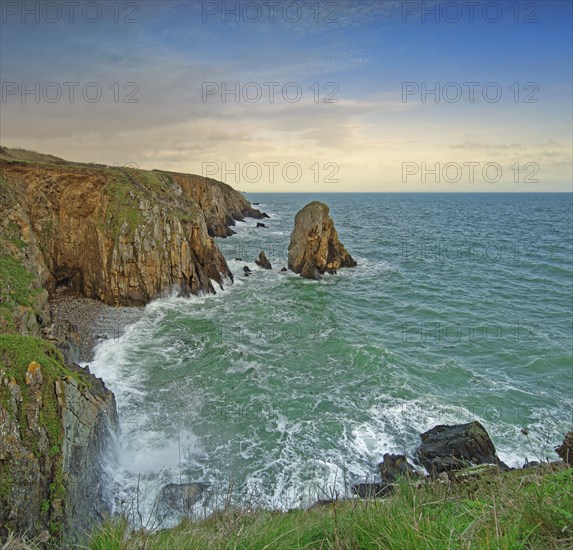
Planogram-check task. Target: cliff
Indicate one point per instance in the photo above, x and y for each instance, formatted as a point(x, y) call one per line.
point(55, 424)
point(120, 235)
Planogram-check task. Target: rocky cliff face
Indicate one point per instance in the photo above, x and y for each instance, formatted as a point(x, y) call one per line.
point(314, 245)
point(220, 203)
point(55, 424)
point(123, 236)
point(89, 416)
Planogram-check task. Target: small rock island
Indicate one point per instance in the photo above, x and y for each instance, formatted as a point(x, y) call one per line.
point(314, 247)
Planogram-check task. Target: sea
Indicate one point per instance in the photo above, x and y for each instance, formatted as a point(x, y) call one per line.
point(279, 391)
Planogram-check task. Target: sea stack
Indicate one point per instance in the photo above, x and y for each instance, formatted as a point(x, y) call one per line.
point(314, 246)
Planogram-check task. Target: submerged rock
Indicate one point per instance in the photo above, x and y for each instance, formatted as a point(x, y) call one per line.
point(259, 224)
point(314, 245)
point(447, 448)
point(179, 498)
point(263, 261)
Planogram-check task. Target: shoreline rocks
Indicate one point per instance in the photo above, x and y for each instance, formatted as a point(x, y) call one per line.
point(446, 448)
point(314, 247)
point(179, 498)
point(565, 450)
point(263, 261)
point(451, 454)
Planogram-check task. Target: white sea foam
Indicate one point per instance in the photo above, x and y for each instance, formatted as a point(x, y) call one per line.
point(276, 442)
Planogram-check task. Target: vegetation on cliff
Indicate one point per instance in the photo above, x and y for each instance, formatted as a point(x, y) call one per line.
point(118, 234)
point(123, 236)
point(31, 432)
point(530, 508)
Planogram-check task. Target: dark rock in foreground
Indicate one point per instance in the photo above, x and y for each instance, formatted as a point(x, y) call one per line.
point(179, 498)
point(263, 261)
point(372, 490)
point(447, 448)
point(565, 450)
point(394, 466)
point(314, 246)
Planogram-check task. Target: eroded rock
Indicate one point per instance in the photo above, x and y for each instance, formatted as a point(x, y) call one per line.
point(565, 450)
point(179, 498)
point(123, 236)
point(263, 261)
point(314, 247)
point(447, 448)
point(56, 429)
point(394, 467)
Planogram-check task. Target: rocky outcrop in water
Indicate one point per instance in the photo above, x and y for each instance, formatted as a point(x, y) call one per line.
point(120, 235)
point(456, 453)
point(314, 245)
point(179, 498)
point(263, 261)
point(394, 466)
point(447, 448)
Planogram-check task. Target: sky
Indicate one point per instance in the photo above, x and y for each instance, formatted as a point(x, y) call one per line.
point(294, 96)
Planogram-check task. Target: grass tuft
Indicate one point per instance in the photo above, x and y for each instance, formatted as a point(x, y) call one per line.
point(519, 509)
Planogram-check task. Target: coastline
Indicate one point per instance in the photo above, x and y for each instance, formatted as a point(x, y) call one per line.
point(93, 320)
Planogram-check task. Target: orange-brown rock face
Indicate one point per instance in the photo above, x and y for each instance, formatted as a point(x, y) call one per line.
point(123, 236)
point(314, 245)
point(220, 203)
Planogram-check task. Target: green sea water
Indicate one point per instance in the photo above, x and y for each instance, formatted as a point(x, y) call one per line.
point(279, 390)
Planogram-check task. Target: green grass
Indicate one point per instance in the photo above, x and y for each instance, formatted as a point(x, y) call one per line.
point(521, 509)
point(16, 282)
point(15, 290)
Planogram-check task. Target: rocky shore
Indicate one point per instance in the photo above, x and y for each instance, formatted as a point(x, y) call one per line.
point(79, 243)
point(93, 320)
point(454, 453)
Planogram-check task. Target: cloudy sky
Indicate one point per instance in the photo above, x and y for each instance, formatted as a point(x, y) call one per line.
point(299, 95)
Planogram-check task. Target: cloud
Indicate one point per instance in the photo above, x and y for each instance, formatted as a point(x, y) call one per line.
point(475, 145)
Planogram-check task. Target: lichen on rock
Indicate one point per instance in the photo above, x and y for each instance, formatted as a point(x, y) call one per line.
point(55, 427)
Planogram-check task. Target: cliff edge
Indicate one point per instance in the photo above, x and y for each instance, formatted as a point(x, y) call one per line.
point(120, 235)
